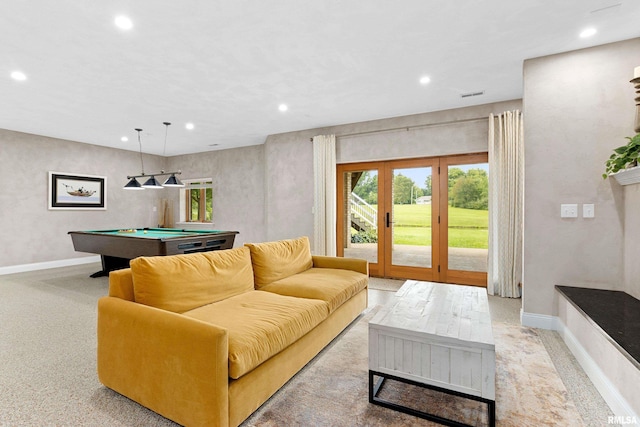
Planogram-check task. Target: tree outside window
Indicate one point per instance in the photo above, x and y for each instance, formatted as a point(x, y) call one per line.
point(199, 197)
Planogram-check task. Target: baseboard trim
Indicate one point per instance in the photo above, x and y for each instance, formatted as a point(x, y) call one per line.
point(605, 387)
point(540, 321)
point(48, 264)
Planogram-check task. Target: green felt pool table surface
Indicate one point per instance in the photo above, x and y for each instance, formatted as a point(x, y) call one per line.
point(156, 233)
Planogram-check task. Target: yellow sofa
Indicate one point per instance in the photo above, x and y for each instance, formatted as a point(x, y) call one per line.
point(205, 339)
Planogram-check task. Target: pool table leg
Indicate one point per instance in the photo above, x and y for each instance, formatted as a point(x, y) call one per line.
point(110, 263)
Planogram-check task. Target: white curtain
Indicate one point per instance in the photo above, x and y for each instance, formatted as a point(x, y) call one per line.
point(506, 166)
point(324, 198)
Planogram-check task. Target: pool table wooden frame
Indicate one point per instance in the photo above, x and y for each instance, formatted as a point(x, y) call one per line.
point(116, 248)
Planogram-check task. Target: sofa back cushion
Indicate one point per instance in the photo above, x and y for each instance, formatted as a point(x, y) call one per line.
point(276, 260)
point(180, 283)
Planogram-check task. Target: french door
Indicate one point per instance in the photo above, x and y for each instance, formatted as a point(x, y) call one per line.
point(423, 219)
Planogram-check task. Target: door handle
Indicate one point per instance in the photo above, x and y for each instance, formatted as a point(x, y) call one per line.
point(389, 220)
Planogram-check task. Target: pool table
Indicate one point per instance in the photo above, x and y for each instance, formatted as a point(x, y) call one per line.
point(118, 247)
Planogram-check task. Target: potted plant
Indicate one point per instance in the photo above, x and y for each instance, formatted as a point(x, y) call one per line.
point(623, 157)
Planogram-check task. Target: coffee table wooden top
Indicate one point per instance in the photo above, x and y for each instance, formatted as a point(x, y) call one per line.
point(454, 313)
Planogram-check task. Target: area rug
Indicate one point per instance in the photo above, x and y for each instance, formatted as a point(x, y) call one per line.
point(380, 284)
point(332, 390)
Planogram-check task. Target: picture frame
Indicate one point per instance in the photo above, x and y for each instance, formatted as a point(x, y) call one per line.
point(70, 191)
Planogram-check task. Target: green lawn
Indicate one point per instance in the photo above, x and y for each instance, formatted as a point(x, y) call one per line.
point(468, 228)
point(420, 216)
point(458, 237)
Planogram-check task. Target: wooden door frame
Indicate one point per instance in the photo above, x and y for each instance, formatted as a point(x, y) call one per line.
point(375, 269)
point(474, 278)
point(439, 271)
point(409, 272)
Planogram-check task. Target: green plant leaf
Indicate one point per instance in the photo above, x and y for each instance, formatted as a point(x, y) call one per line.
point(624, 156)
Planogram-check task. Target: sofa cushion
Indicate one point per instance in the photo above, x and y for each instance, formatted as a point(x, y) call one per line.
point(334, 286)
point(260, 325)
point(276, 260)
point(182, 282)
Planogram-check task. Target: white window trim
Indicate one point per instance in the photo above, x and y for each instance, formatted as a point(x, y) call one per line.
point(183, 203)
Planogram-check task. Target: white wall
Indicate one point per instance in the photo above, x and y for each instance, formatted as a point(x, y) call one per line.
point(578, 106)
point(33, 234)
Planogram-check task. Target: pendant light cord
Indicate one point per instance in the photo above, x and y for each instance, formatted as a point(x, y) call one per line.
point(166, 131)
point(140, 145)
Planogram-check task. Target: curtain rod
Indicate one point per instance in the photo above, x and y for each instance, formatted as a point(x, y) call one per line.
point(475, 119)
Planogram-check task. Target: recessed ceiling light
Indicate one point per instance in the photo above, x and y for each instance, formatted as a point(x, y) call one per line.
point(588, 32)
point(189, 126)
point(123, 22)
point(424, 80)
point(124, 139)
point(18, 75)
point(283, 107)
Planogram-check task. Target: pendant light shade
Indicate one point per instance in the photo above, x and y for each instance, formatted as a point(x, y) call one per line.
point(152, 183)
point(133, 184)
point(172, 181)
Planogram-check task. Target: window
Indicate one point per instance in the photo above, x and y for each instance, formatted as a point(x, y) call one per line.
point(198, 200)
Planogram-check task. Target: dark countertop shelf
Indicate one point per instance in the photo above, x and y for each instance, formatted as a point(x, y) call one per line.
point(616, 313)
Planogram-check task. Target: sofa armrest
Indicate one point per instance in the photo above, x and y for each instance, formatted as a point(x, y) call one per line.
point(355, 264)
point(121, 284)
point(172, 364)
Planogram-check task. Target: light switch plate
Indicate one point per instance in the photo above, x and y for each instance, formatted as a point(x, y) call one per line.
point(569, 210)
point(588, 210)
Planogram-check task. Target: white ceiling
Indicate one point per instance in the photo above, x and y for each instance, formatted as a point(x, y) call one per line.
point(226, 66)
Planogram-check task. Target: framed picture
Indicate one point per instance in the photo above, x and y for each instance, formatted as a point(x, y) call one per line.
point(73, 191)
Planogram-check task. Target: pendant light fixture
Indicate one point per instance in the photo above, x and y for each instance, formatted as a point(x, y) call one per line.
point(133, 184)
point(152, 182)
point(172, 181)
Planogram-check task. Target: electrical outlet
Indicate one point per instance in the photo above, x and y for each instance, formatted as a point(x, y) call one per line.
point(569, 210)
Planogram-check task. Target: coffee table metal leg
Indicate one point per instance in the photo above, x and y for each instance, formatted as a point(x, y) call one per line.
point(492, 412)
point(374, 388)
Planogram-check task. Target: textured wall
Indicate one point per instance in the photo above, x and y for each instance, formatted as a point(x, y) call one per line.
point(289, 186)
point(238, 188)
point(440, 133)
point(578, 106)
point(289, 160)
point(31, 232)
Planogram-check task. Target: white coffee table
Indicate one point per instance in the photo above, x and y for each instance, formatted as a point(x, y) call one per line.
point(435, 336)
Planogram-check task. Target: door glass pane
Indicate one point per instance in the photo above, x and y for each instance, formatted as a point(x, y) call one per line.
point(468, 217)
point(411, 217)
point(361, 213)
